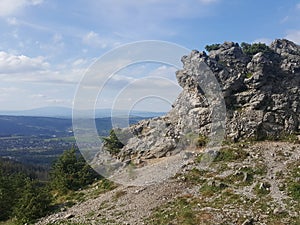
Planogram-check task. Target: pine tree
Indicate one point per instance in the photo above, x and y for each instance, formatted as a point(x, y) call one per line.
point(71, 172)
point(5, 198)
point(33, 203)
point(11, 186)
point(112, 143)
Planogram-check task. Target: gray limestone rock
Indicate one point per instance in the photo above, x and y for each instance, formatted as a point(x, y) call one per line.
point(261, 93)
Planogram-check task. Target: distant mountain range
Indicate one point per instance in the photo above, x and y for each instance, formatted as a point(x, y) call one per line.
point(63, 112)
point(51, 126)
point(34, 126)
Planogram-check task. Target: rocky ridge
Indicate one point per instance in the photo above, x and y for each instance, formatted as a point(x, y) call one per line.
point(261, 94)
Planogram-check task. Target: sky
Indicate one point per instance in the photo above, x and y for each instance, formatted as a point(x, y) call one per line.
point(46, 46)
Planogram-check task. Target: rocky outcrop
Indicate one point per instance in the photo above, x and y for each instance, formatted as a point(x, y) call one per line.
point(261, 93)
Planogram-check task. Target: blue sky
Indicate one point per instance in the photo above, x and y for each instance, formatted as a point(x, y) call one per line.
point(46, 45)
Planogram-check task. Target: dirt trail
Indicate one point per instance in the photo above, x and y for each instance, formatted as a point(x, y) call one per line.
point(123, 205)
point(133, 204)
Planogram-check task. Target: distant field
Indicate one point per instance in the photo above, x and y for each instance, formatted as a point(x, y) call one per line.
point(34, 150)
point(39, 140)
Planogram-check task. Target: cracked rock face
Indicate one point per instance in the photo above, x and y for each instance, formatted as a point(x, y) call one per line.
point(261, 93)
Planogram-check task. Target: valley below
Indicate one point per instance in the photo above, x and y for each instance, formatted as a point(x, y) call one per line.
point(40, 140)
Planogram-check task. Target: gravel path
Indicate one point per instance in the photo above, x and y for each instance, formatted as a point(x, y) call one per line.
point(123, 205)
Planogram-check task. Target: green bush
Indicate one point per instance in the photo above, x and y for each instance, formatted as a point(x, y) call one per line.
point(212, 47)
point(33, 203)
point(209, 189)
point(71, 172)
point(248, 75)
point(22, 198)
point(112, 143)
point(228, 154)
point(11, 187)
point(252, 49)
point(294, 190)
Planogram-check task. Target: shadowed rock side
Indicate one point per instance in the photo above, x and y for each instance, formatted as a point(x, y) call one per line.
point(261, 92)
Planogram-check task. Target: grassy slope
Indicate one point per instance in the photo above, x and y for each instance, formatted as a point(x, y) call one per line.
point(248, 183)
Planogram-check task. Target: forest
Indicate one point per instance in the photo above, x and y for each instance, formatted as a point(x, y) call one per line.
point(28, 192)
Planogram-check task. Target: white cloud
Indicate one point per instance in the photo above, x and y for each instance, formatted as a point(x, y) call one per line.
point(38, 96)
point(64, 102)
point(21, 68)
point(146, 88)
point(263, 40)
point(208, 1)
point(298, 6)
point(35, 2)
point(50, 99)
point(20, 96)
point(79, 62)
point(93, 39)
point(40, 76)
point(57, 38)
point(151, 9)
point(284, 20)
point(53, 47)
point(141, 81)
point(293, 35)
point(7, 91)
point(148, 17)
point(10, 7)
point(12, 21)
point(10, 63)
point(164, 71)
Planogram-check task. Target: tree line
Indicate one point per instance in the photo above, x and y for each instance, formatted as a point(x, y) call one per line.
point(28, 193)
